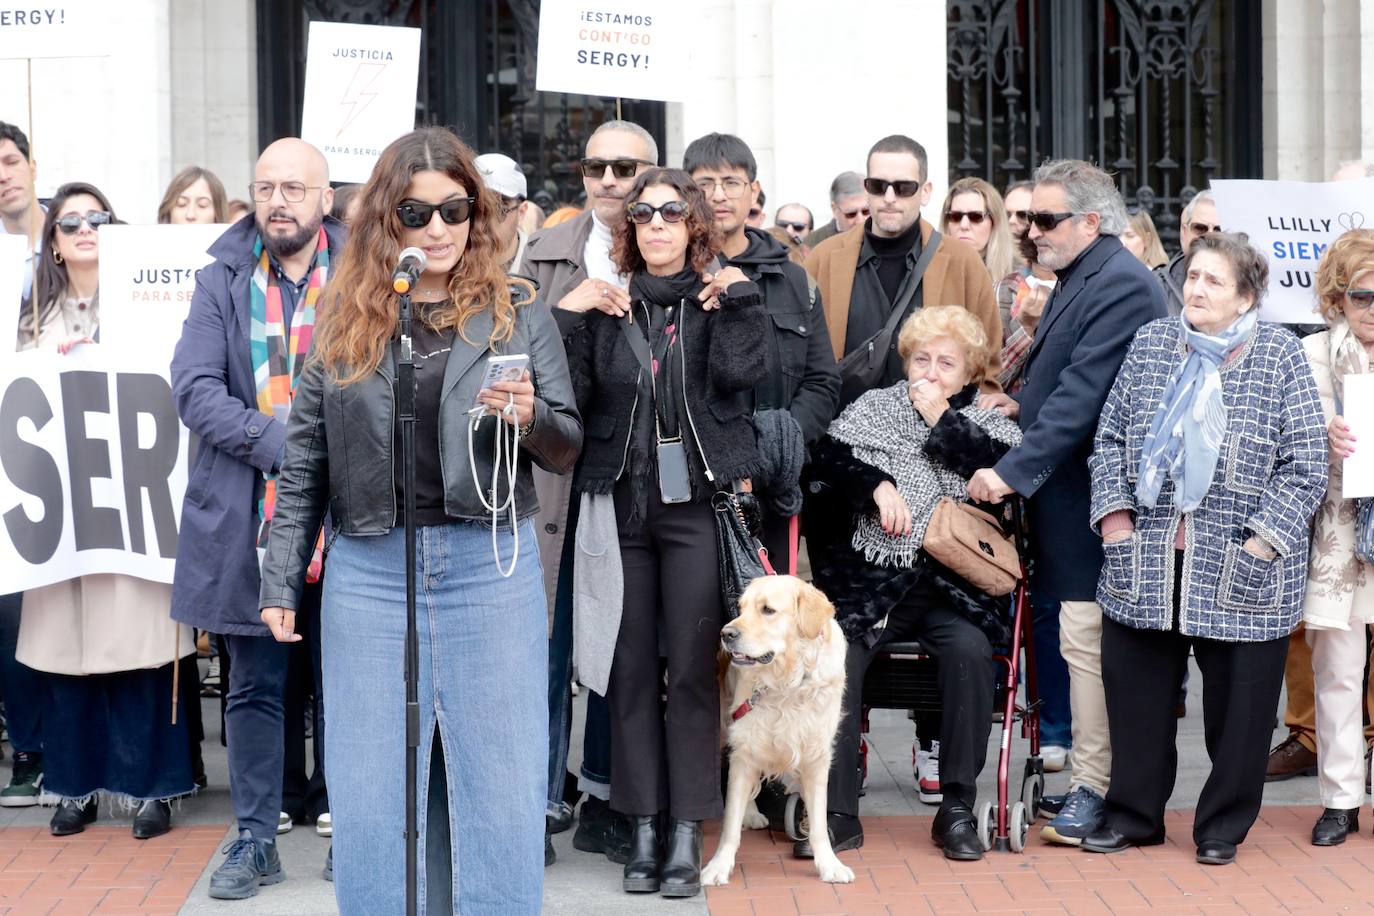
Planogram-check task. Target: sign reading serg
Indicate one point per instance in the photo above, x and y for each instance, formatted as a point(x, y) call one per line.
point(636, 51)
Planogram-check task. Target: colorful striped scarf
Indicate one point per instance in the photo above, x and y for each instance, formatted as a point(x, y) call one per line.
point(277, 362)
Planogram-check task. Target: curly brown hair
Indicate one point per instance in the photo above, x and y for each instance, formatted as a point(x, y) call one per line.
point(703, 237)
point(1349, 256)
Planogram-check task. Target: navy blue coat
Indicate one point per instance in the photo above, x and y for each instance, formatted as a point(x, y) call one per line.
point(1101, 300)
point(215, 586)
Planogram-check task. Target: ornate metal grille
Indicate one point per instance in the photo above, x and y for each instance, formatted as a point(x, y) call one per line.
point(1165, 93)
point(477, 75)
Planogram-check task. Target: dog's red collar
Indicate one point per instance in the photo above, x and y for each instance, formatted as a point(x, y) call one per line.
point(747, 706)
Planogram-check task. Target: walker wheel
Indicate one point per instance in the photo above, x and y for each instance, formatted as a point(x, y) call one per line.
point(1032, 793)
point(987, 826)
point(1018, 825)
point(794, 819)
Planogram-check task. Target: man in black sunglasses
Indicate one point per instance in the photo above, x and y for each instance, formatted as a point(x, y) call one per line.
point(1199, 218)
point(571, 263)
point(278, 256)
point(869, 272)
point(848, 208)
point(795, 220)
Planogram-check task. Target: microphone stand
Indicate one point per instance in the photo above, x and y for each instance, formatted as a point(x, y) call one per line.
point(405, 376)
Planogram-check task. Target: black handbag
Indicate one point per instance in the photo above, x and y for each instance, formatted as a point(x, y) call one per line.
point(862, 368)
point(740, 557)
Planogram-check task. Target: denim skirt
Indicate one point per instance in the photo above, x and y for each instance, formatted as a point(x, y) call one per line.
point(483, 683)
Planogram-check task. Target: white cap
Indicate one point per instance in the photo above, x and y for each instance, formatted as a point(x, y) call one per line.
point(501, 174)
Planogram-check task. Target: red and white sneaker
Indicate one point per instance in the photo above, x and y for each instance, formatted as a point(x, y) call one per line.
point(925, 767)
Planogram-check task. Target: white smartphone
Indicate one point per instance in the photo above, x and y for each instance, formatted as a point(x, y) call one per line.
point(503, 369)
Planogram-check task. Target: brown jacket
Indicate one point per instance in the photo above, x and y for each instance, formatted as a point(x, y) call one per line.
point(955, 276)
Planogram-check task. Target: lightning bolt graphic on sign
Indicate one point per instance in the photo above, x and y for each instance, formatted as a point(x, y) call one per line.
point(359, 94)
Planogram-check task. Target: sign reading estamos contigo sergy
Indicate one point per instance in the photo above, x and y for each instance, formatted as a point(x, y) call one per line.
point(633, 51)
point(67, 28)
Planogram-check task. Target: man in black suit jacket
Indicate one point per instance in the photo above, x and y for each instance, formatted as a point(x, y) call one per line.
point(1103, 296)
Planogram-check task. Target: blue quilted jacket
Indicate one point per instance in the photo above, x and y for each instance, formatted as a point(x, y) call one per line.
point(1270, 478)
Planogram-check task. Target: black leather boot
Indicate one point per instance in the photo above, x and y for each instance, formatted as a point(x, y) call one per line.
point(646, 856)
point(1334, 825)
point(71, 818)
point(154, 818)
point(682, 863)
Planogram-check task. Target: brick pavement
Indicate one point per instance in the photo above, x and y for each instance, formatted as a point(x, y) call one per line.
point(103, 870)
point(899, 872)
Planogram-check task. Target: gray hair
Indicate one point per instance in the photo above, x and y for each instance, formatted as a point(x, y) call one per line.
point(1204, 197)
point(846, 184)
point(1088, 189)
point(631, 127)
point(1247, 262)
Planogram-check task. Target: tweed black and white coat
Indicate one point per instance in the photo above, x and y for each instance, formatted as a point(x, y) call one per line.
point(1270, 478)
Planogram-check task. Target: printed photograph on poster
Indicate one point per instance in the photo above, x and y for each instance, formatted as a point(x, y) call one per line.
point(633, 51)
point(14, 258)
point(360, 89)
point(147, 279)
point(56, 28)
point(1292, 223)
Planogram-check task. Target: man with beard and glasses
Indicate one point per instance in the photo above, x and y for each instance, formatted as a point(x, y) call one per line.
point(571, 263)
point(242, 348)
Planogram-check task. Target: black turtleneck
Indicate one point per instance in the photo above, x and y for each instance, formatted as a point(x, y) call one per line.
point(892, 255)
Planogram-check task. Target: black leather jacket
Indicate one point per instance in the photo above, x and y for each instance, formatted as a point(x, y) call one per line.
point(339, 446)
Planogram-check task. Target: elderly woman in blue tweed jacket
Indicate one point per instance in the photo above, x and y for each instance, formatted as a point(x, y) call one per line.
point(1209, 462)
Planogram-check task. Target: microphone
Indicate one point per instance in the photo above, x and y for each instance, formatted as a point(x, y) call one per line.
point(408, 270)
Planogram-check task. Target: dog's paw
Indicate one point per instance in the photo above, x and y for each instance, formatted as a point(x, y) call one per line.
point(717, 872)
point(835, 872)
point(753, 819)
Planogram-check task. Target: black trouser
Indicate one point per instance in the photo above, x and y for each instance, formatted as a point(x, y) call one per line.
point(667, 759)
point(1142, 671)
point(304, 798)
point(964, 658)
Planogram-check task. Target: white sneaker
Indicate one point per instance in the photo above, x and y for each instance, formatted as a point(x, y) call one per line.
point(324, 825)
point(927, 765)
point(1054, 757)
point(284, 823)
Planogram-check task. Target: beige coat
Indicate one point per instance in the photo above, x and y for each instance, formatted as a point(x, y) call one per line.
point(1340, 589)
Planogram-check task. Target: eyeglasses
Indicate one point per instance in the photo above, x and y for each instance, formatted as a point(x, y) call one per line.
point(1203, 228)
point(755, 213)
point(674, 211)
point(71, 223)
point(1022, 215)
point(878, 187)
point(1360, 298)
point(855, 214)
point(975, 217)
point(733, 187)
point(415, 215)
point(1046, 222)
point(788, 224)
point(509, 205)
point(293, 192)
point(620, 168)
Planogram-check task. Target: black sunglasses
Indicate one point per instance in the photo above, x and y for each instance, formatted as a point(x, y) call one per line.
point(878, 187)
point(620, 168)
point(795, 227)
point(71, 223)
point(975, 217)
point(415, 215)
point(1022, 215)
point(1203, 228)
point(674, 211)
point(1045, 221)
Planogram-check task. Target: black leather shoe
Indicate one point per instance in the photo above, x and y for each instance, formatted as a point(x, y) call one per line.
point(646, 856)
point(846, 832)
point(549, 855)
point(154, 818)
point(599, 829)
point(561, 821)
point(682, 863)
point(1334, 825)
point(956, 832)
point(1216, 852)
point(71, 818)
point(1107, 839)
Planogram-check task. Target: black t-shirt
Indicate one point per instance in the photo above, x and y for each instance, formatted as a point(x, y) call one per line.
point(431, 349)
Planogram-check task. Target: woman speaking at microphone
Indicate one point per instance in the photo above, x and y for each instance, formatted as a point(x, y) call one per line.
point(480, 599)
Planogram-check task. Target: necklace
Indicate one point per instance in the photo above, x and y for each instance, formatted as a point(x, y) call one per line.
point(430, 295)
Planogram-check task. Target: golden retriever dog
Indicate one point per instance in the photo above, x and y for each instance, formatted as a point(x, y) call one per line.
point(787, 655)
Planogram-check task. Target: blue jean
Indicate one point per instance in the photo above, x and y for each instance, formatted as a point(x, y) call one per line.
point(594, 777)
point(560, 670)
point(22, 688)
point(1051, 675)
point(483, 659)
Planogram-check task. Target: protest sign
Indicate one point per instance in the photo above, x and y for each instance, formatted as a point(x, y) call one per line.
point(1357, 406)
point(14, 257)
point(360, 90)
point(92, 467)
point(57, 28)
point(147, 278)
point(637, 52)
point(1292, 223)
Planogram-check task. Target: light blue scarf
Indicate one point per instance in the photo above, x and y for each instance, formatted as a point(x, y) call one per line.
point(1185, 435)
